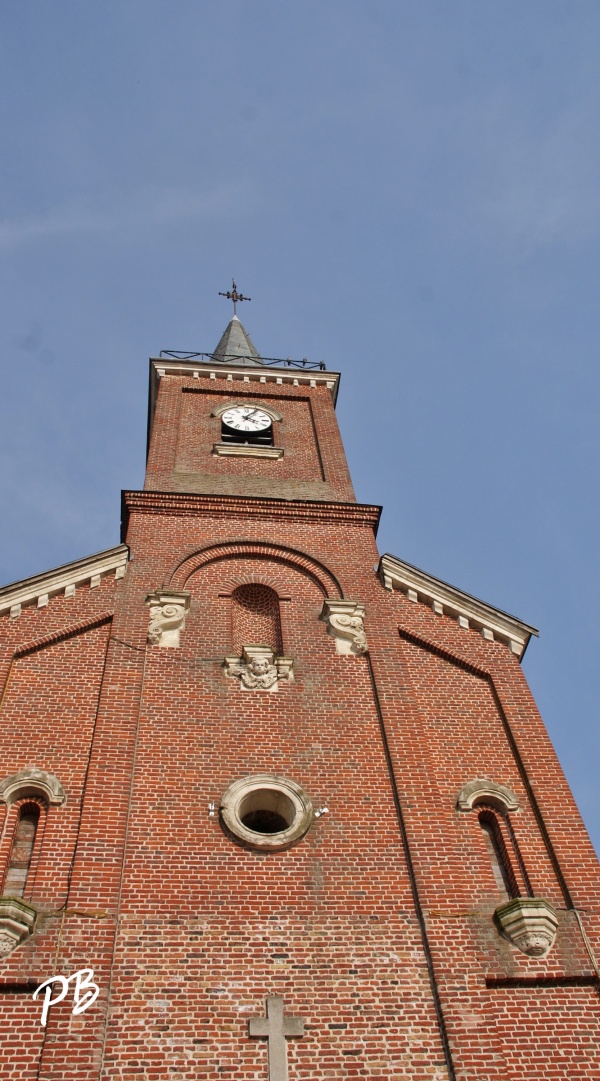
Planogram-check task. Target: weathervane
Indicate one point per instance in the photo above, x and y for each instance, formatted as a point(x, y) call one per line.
point(234, 295)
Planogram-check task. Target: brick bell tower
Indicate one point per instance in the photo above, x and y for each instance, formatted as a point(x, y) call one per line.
point(290, 802)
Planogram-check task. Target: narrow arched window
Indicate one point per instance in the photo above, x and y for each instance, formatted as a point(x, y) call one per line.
point(498, 853)
point(21, 850)
point(255, 618)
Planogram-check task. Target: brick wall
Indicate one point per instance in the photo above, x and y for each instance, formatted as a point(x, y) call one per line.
point(313, 465)
point(377, 927)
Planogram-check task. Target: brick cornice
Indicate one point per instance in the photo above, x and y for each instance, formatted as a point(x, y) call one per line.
point(310, 510)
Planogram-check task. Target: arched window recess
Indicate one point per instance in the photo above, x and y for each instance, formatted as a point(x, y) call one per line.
point(26, 818)
point(495, 843)
point(256, 637)
point(493, 803)
point(529, 923)
point(27, 795)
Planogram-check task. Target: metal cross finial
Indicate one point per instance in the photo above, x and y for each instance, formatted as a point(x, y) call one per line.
point(234, 295)
point(277, 1029)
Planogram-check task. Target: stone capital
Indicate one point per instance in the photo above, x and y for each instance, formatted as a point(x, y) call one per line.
point(529, 923)
point(17, 921)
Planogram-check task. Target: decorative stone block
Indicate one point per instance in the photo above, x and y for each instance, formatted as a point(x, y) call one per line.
point(167, 617)
point(482, 790)
point(17, 921)
point(529, 923)
point(344, 620)
point(32, 781)
point(258, 669)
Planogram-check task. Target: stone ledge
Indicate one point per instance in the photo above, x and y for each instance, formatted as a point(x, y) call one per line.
point(246, 450)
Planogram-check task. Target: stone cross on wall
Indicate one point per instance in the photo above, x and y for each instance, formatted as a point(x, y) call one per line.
point(276, 1028)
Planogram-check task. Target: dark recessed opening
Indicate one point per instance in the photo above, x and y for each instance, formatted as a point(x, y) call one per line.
point(264, 821)
point(263, 438)
point(266, 810)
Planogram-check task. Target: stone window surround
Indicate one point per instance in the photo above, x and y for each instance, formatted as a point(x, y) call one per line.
point(35, 782)
point(18, 916)
point(482, 790)
point(238, 793)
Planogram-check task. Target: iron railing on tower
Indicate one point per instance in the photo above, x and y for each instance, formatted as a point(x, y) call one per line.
point(231, 358)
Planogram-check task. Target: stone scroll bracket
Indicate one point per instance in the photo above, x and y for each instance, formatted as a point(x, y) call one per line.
point(259, 669)
point(167, 616)
point(345, 624)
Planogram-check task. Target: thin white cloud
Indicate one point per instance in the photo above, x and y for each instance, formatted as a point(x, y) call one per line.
point(144, 208)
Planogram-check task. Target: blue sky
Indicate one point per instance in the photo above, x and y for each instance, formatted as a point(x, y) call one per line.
point(407, 190)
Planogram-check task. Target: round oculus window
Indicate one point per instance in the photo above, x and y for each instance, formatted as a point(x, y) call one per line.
point(266, 812)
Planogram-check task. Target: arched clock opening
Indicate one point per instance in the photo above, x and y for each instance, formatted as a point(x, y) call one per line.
point(247, 424)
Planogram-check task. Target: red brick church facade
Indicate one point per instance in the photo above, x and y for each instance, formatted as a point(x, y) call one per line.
point(291, 802)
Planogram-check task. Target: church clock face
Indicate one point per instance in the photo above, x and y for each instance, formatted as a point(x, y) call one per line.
point(245, 418)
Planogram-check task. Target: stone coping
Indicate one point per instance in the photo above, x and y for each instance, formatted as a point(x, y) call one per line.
point(492, 623)
point(38, 589)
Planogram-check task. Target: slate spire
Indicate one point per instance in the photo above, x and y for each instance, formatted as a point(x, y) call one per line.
point(235, 346)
